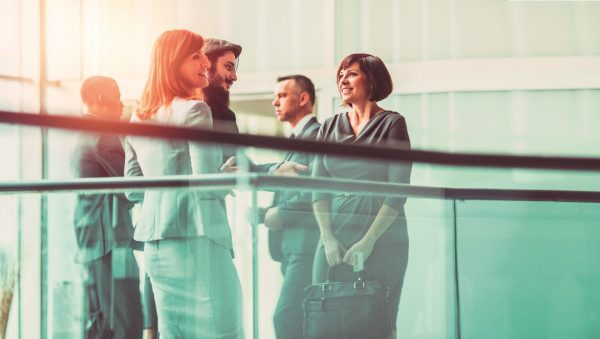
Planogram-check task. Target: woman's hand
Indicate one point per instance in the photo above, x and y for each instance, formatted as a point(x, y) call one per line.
point(334, 250)
point(364, 246)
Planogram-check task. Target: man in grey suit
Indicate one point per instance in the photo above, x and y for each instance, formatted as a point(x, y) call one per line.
point(103, 224)
point(293, 230)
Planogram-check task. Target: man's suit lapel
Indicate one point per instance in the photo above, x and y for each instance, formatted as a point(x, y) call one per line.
point(301, 135)
point(310, 122)
point(289, 154)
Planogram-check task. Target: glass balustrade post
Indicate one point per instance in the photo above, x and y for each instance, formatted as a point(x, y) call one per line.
point(244, 166)
point(254, 219)
point(456, 270)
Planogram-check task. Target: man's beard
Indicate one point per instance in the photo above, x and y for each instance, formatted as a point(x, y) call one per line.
point(216, 95)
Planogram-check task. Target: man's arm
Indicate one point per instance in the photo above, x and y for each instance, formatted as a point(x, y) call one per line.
point(297, 203)
point(132, 169)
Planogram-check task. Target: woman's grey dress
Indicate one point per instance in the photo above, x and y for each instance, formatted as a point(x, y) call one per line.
point(352, 214)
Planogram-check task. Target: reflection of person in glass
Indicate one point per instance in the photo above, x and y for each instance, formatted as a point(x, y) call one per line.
point(103, 221)
point(351, 223)
point(186, 235)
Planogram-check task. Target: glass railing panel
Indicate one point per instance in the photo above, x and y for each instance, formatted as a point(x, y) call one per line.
point(20, 265)
point(79, 252)
point(427, 306)
point(356, 188)
point(77, 247)
point(64, 285)
point(20, 256)
point(417, 252)
point(528, 269)
point(65, 275)
point(504, 178)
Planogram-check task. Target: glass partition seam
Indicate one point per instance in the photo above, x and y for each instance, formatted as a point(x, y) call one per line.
point(456, 277)
point(362, 151)
point(44, 265)
point(255, 272)
point(44, 157)
point(20, 161)
point(19, 262)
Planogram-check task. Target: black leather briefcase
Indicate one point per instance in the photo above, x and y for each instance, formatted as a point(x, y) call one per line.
point(351, 310)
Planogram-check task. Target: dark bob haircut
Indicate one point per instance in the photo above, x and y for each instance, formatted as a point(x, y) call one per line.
point(378, 76)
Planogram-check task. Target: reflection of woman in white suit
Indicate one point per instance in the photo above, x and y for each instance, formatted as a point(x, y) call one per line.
point(186, 235)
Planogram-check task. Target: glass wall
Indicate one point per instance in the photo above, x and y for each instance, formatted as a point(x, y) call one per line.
point(509, 122)
point(413, 30)
point(486, 76)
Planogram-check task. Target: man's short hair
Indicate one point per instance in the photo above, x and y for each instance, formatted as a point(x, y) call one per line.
point(304, 83)
point(92, 87)
point(379, 78)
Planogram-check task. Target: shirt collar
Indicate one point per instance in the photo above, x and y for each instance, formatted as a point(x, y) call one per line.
point(302, 123)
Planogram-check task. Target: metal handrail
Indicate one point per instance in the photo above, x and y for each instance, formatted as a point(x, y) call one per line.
point(269, 142)
point(264, 182)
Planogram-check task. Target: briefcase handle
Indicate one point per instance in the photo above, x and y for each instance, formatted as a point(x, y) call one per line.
point(358, 268)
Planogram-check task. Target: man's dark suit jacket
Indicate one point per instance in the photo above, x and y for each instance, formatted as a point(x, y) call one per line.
point(300, 232)
point(101, 220)
point(224, 120)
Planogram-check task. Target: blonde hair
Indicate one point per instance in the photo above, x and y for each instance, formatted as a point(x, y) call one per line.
point(164, 83)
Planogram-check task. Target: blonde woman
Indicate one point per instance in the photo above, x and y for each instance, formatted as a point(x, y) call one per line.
point(186, 235)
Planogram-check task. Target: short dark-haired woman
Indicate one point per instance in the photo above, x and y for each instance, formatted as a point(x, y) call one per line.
point(372, 225)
